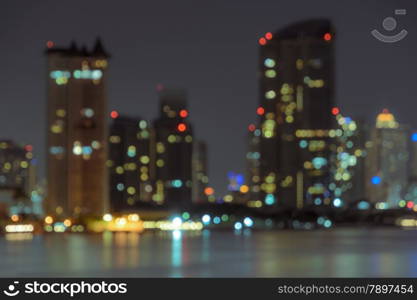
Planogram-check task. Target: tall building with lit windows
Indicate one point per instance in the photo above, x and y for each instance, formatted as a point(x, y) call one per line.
point(387, 169)
point(173, 150)
point(17, 178)
point(129, 163)
point(253, 167)
point(296, 70)
point(77, 130)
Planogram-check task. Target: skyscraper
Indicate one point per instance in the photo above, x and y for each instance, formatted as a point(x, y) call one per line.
point(253, 167)
point(173, 150)
point(387, 162)
point(77, 130)
point(296, 98)
point(129, 162)
point(17, 177)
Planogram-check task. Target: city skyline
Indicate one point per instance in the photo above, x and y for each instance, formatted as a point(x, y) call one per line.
point(236, 89)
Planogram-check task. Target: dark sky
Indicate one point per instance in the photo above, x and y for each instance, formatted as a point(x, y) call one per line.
point(208, 47)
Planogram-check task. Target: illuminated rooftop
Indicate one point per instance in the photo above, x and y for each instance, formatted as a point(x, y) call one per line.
point(386, 120)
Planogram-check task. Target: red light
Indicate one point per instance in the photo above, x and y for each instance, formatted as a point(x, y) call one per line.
point(183, 113)
point(268, 36)
point(260, 111)
point(29, 148)
point(327, 36)
point(262, 41)
point(252, 127)
point(182, 127)
point(114, 114)
point(335, 111)
point(49, 44)
point(410, 204)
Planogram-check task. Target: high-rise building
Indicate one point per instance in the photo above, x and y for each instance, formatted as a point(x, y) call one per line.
point(296, 98)
point(199, 176)
point(77, 130)
point(253, 167)
point(346, 163)
point(173, 150)
point(387, 162)
point(410, 193)
point(17, 178)
point(129, 162)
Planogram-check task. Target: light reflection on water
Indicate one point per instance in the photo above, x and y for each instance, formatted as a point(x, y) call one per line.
point(336, 253)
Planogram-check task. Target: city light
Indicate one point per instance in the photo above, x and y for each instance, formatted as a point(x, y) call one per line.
point(107, 217)
point(49, 220)
point(248, 222)
point(238, 226)
point(114, 114)
point(206, 219)
point(376, 180)
point(262, 41)
point(183, 113)
point(209, 191)
point(182, 127)
point(260, 110)
point(327, 37)
point(19, 228)
point(268, 36)
point(335, 111)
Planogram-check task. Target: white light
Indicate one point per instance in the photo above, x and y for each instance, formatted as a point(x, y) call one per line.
point(176, 234)
point(19, 228)
point(337, 202)
point(206, 219)
point(107, 217)
point(238, 226)
point(248, 222)
point(177, 222)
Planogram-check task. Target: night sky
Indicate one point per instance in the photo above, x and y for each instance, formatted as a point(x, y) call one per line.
point(208, 47)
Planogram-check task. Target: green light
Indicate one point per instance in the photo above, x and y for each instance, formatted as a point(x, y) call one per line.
point(185, 215)
point(270, 73)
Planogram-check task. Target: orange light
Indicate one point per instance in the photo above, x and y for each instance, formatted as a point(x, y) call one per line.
point(15, 218)
point(208, 191)
point(327, 36)
point(260, 111)
point(268, 36)
point(262, 41)
point(114, 114)
point(244, 189)
point(251, 127)
point(335, 111)
point(183, 113)
point(49, 44)
point(182, 127)
point(67, 222)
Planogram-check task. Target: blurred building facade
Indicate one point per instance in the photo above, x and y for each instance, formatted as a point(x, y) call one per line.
point(296, 98)
point(173, 150)
point(388, 162)
point(77, 130)
point(17, 178)
point(129, 162)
